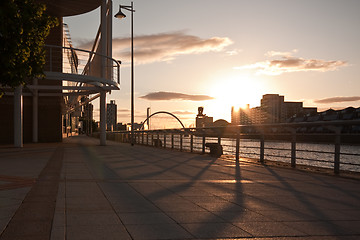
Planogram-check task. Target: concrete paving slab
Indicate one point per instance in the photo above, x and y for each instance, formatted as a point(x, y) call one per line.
point(158, 231)
point(270, 229)
point(195, 217)
point(145, 218)
point(92, 219)
point(242, 216)
point(215, 230)
point(105, 232)
point(322, 228)
point(123, 192)
point(287, 216)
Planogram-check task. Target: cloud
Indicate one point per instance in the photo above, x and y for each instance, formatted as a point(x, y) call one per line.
point(289, 63)
point(277, 53)
point(123, 110)
point(162, 47)
point(161, 96)
point(183, 113)
point(338, 99)
point(233, 52)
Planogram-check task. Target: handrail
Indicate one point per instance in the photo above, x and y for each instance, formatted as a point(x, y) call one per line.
point(266, 127)
point(90, 57)
point(280, 146)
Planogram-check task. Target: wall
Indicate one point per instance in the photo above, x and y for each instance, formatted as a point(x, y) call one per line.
point(50, 125)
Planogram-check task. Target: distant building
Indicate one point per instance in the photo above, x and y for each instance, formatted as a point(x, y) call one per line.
point(241, 115)
point(309, 110)
point(202, 120)
point(273, 109)
point(137, 126)
point(120, 127)
point(88, 110)
point(256, 115)
point(111, 116)
point(290, 109)
point(220, 123)
point(271, 106)
point(309, 115)
point(235, 116)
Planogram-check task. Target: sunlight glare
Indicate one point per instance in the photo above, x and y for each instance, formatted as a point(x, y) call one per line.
point(237, 91)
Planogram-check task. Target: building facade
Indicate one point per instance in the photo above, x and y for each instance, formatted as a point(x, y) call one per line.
point(47, 108)
point(202, 120)
point(290, 109)
point(271, 106)
point(273, 109)
point(111, 116)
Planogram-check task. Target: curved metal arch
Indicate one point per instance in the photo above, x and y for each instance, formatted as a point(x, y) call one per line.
point(142, 126)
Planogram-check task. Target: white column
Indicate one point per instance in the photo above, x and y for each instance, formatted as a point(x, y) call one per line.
point(103, 40)
point(109, 39)
point(102, 118)
point(103, 73)
point(35, 113)
point(18, 117)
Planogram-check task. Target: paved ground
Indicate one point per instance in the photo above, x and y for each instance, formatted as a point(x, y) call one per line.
point(80, 190)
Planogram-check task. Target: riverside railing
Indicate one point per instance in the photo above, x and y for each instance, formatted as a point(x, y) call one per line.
point(82, 62)
point(334, 144)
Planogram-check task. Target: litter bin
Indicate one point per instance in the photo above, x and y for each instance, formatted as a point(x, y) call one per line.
point(216, 149)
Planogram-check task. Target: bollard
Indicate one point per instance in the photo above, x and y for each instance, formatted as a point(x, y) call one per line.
point(164, 139)
point(337, 153)
point(181, 142)
point(203, 145)
point(237, 148)
point(293, 150)
point(262, 148)
point(191, 143)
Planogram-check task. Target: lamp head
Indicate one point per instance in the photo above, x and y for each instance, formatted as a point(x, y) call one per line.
point(120, 14)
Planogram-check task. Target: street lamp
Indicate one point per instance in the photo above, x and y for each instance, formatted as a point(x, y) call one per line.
point(121, 15)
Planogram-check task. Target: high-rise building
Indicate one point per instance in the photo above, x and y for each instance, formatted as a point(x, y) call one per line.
point(111, 116)
point(235, 115)
point(273, 109)
point(256, 115)
point(245, 115)
point(241, 115)
point(88, 118)
point(271, 106)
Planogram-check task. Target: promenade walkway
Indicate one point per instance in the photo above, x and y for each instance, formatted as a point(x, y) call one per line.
point(80, 190)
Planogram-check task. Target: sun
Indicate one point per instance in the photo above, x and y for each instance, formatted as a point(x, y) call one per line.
point(238, 91)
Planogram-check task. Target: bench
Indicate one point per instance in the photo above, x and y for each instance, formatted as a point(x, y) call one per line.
point(216, 149)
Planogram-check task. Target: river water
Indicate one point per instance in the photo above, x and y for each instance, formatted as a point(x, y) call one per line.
point(320, 155)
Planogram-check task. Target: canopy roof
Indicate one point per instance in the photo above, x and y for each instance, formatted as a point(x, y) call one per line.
point(64, 8)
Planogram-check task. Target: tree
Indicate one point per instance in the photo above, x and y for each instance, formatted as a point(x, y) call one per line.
point(24, 26)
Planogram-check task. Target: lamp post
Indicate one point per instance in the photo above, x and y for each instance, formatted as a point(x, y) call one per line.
point(121, 15)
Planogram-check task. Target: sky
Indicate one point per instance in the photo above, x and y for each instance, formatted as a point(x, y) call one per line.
point(218, 54)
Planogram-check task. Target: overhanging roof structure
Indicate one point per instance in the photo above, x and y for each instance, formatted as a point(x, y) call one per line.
point(66, 8)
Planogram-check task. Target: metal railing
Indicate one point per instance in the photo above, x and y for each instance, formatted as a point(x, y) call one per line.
point(82, 62)
point(337, 146)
